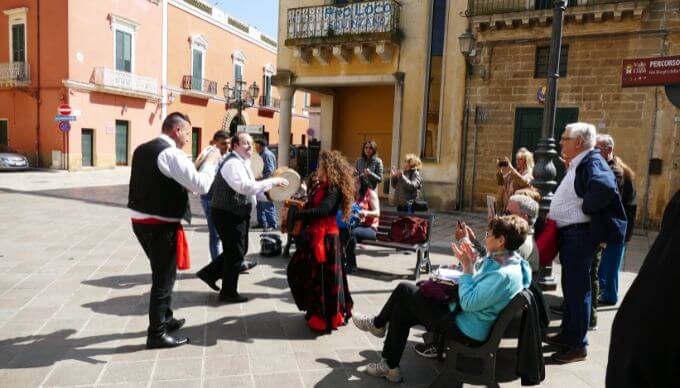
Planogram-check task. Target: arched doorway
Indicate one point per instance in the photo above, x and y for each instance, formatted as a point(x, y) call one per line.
point(235, 122)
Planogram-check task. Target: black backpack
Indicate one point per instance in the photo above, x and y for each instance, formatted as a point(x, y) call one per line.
point(270, 244)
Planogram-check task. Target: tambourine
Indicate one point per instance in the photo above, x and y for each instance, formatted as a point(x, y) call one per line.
point(278, 193)
point(256, 165)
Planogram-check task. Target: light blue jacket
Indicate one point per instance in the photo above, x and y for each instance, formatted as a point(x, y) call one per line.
point(485, 294)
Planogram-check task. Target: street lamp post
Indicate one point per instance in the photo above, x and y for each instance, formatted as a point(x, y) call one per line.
point(544, 171)
point(241, 97)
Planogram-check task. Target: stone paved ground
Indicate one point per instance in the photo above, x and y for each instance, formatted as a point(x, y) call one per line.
point(74, 291)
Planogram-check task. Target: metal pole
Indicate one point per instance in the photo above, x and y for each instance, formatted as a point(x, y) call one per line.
point(544, 171)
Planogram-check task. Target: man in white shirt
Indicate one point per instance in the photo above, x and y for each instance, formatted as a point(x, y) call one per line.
point(160, 176)
point(588, 212)
point(233, 197)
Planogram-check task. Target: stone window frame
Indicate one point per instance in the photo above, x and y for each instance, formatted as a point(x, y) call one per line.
point(17, 16)
point(128, 26)
point(198, 43)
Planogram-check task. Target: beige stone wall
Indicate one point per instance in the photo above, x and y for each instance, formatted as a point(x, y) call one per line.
point(638, 118)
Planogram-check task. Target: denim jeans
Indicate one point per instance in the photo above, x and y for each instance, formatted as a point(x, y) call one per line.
point(213, 239)
point(609, 271)
point(266, 214)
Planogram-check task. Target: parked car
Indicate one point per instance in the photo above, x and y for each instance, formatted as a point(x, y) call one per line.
point(11, 160)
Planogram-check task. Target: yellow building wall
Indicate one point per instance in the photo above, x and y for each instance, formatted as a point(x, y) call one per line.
point(363, 113)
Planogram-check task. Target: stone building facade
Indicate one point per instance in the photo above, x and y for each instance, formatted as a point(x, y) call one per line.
point(507, 79)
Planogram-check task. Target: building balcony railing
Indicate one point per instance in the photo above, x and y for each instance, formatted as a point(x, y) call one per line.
point(490, 13)
point(270, 102)
point(124, 81)
point(14, 74)
point(368, 21)
point(201, 85)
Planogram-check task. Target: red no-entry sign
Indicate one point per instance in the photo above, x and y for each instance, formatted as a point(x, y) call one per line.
point(64, 109)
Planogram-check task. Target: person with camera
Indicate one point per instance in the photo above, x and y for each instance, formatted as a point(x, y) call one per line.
point(407, 183)
point(369, 164)
point(511, 178)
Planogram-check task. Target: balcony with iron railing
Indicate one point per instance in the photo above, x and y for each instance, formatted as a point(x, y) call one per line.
point(338, 30)
point(124, 83)
point(269, 102)
point(512, 13)
point(199, 86)
point(14, 74)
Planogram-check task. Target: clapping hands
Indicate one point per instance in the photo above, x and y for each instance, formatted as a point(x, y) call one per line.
point(465, 254)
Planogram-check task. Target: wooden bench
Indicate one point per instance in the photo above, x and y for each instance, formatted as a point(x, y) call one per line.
point(422, 250)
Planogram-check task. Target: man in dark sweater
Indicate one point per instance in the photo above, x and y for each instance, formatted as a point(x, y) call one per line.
point(160, 177)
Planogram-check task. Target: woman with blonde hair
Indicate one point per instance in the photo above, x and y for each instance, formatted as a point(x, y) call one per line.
point(406, 182)
point(513, 179)
point(315, 273)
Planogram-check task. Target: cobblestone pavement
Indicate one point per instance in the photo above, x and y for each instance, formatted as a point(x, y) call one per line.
point(74, 293)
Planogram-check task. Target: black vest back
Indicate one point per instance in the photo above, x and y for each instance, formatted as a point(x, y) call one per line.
point(151, 192)
point(226, 198)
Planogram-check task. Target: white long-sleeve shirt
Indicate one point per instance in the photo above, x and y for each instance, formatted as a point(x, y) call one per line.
point(174, 164)
point(238, 175)
point(566, 207)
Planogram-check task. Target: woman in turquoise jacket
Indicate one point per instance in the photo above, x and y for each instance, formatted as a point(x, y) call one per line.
point(486, 286)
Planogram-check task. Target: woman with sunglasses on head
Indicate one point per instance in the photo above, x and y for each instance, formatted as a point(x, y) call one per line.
point(486, 287)
point(369, 164)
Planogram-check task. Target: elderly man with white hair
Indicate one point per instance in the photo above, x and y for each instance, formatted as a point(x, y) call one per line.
point(588, 212)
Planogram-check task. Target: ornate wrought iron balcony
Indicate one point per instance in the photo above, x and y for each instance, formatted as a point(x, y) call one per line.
point(124, 82)
point(337, 30)
point(509, 13)
point(14, 74)
point(201, 85)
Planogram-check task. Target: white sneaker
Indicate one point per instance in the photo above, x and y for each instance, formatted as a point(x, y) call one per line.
point(381, 369)
point(365, 323)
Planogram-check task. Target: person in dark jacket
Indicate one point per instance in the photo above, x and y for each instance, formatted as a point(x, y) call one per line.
point(406, 182)
point(369, 164)
point(613, 254)
point(588, 212)
point(645, 342)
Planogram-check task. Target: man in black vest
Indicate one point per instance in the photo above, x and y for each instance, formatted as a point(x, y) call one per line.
point(233, 197)
point(160, 177)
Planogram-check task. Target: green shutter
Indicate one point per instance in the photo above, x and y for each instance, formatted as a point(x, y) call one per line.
point(121, 143)
point(3, 133)
point(19, 43)
point(197, 69)
point(195, 142)
point(87, 145)
point(123, 51)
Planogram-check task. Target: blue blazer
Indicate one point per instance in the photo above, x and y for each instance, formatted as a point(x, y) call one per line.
point(596, 184)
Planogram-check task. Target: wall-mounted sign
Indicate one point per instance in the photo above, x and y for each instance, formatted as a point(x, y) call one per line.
point(252, 129)
point(650, 71)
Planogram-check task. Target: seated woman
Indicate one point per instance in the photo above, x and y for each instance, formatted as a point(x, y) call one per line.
point(407, 182)
point(368, 203)
point(315, 275)
point(483, 292)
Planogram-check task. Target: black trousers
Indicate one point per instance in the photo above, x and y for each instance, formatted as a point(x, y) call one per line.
point(407, 307)
point(160, 245)
point(233, 231)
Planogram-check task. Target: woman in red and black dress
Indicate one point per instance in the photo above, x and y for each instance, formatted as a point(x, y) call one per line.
point(315, 273)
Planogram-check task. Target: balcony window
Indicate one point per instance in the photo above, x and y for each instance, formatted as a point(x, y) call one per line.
point(434, 89)
point(19, 42)
point(123, 51)
point(267, 90)
point(197, 63)
point(543, 58)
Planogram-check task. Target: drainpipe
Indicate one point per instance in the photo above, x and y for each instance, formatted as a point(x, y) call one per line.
point(38, 99)
point(463, 151)
point(164, 60)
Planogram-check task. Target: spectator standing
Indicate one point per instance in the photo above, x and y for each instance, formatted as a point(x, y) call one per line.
point(266, 213)
point(219, 144)
point(369, 164)
point(613, 254)
point(406, 182)
point(587, 210)
point(513, 179)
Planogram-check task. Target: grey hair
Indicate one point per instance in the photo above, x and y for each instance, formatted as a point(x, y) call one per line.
point(527, 206)
point(585, 131)
point(607, 139)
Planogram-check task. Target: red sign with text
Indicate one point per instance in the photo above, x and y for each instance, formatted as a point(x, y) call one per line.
point(651, 71)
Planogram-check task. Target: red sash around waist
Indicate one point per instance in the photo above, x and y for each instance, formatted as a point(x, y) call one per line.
point(183, 258)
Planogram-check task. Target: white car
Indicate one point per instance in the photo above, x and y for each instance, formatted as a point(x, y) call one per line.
point(11, 160)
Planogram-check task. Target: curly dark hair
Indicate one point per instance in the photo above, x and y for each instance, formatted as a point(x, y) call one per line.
point(339, 175)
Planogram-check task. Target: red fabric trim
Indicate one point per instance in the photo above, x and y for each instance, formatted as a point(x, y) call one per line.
point(317, 323)
point(183, 257)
